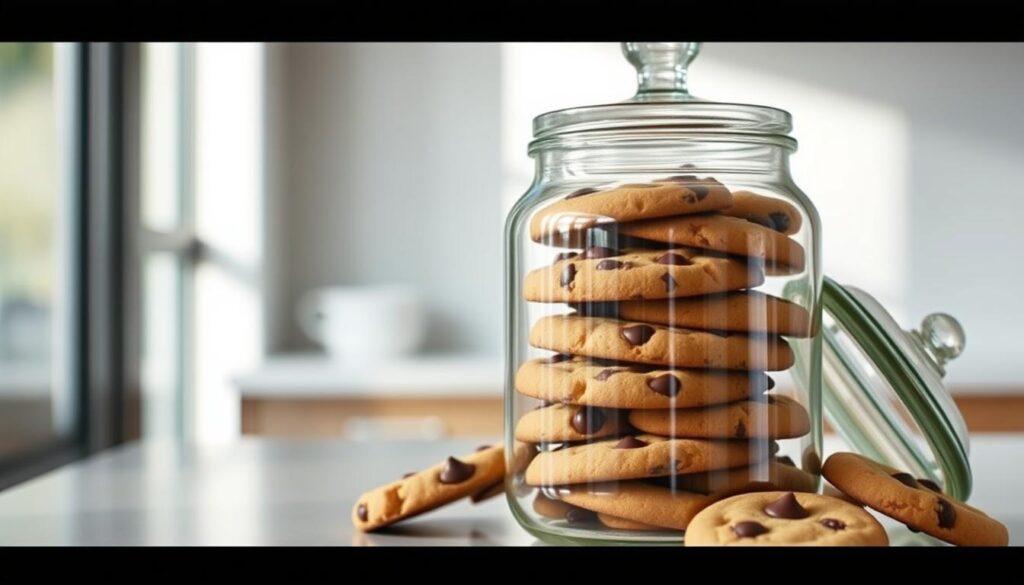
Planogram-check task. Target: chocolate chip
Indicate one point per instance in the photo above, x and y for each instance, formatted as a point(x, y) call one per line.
point(930, 485)
point(673, 259)
point(565, 256)
point(786, 507)
point(748, 529)
point(771, 383)
point(483, 448)
point(785, 460)
point(906, 479)
point(833, 523)
point(580, 516)
point(701, 191)
point(670, 283)
point(781, 221)
point(637, 334)
point(410, 474)
point(456, 471)
point(580, 193)
point(762, 221)
point(679, 179)
point(559, 357)
point(568, 275)
point(610, 265)
point(595, 252)
point(630, 442)
point(946, 513)
point(588, 420)
point(741, 430)
point(606, 373)
point(666, 385)
point(363, 513)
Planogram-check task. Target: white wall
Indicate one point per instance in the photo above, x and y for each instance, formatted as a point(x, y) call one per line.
point(394, 176)
point(912, 153)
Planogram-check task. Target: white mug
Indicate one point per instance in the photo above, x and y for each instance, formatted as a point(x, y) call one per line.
point(364, 322)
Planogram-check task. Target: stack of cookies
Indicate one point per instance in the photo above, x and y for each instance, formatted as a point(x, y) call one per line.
point(657, 400)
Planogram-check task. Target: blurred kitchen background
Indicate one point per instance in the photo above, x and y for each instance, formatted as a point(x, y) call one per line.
point(248, 175)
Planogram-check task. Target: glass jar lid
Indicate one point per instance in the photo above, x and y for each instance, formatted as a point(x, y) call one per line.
point(663, 103)
point(883, 391)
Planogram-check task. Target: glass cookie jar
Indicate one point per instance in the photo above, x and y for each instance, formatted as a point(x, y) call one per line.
point(664, 317)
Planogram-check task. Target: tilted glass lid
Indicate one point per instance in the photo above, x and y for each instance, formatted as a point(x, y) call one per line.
point(663, 103)
point(883, 391)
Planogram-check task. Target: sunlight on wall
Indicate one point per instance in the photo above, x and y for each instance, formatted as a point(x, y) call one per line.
point(852, 160)
point(229, 207)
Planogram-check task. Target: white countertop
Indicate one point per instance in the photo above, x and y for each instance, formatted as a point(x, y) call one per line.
point(317, 376)
point(300, 492)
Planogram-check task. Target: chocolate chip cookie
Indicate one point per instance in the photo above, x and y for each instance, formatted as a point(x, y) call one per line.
point(455, 478)
point(770, 212)
point(637, 501)
point(660, 345)
point(563, 222)
point(740, 311)
point(774, 417)
point(633, 457)
point(723, 233)
point(560, 423)
point(918, 503)
point(784, 519)
point(607, 274)
point(578, 380)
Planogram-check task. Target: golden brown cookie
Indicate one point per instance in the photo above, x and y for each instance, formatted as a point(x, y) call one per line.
point(421, 492)
point(607, 274)
point(578, 380)
point(558, 510)
point(657, 344)
point(563, 221)
point(770, 212)
point(616, 523)
point(637, 501)
point(776, 474)
point(634, 457)
point(523, 453)
point(566, 423)
point(723, 233)
point(741, 311)
point(784, 519)
point(774, 417)
point(916, 503)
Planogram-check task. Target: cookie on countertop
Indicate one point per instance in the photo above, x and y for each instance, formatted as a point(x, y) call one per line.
point(660, 345)
point(522, 454)
point(608, 274)
point(770, 212)
point(421, 492)
point(559, 423)
point(740, 311)
point(784, 519)
point(722, 233)
point(634, 457)
point(917, 503)
point(565, 220)
point(636, 501)
point(774, 417)
point(578, 380)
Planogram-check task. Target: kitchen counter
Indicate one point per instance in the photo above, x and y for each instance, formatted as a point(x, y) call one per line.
point(300, 492)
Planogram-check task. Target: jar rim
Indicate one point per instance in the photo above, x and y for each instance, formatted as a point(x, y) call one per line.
point(701, 116)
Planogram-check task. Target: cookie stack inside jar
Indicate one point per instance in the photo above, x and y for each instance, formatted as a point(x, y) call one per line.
point(654, 393)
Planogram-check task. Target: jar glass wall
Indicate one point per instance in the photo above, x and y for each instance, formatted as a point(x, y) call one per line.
point(661, 285)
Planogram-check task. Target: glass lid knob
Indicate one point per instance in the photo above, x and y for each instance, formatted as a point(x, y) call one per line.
point(661, 69)
point(942, 338)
